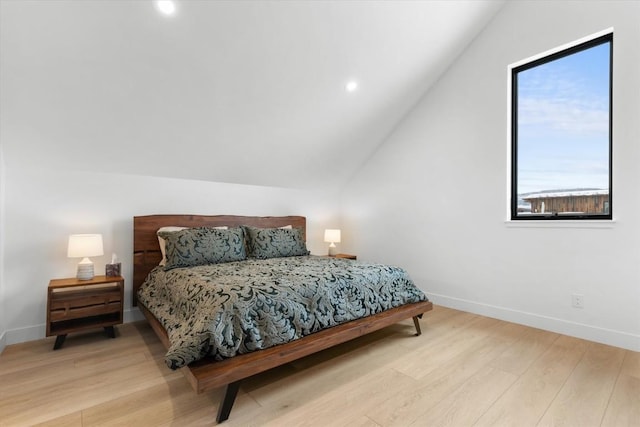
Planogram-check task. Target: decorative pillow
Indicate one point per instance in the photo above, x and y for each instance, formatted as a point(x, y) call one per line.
point(275, 242)
point(170, 229)
point(203, 245)
point(161, 241)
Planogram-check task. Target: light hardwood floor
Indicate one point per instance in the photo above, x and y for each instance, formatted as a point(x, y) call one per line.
point(465, 370)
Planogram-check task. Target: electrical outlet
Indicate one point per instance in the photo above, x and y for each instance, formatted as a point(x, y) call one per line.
point(577, 301)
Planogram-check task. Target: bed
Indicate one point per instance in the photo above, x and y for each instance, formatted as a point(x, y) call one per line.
point(225, 364)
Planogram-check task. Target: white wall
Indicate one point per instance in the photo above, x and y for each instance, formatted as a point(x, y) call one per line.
point(44, 206)
point(433, 198)
point(3, 326)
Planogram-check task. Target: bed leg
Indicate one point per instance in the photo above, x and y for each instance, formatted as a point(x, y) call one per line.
point(227, 403)
point(417, 325)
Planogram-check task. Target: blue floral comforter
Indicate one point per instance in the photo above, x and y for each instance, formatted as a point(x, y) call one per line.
point(227, 309)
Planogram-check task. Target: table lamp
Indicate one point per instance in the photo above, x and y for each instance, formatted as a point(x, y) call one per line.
point(333, 237)
point(85, 246)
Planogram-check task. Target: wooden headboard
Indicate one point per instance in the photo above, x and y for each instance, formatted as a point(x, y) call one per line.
point(146, 250)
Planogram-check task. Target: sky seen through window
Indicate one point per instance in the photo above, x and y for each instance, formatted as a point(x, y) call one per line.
point(563, 123)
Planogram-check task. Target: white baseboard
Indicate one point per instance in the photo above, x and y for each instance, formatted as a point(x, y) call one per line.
point(579, 330)
point(31, 333)
point(132, 315)
point(28, 333)
point(3, 341)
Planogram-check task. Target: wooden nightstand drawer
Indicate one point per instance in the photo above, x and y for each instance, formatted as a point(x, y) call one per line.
point(85, 306)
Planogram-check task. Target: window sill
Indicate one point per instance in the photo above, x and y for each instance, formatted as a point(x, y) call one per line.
point(550, 223)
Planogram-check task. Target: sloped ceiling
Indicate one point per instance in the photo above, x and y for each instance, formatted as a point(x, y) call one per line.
point(249, 92)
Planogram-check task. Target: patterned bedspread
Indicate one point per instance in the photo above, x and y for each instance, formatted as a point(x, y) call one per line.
point(237, 307)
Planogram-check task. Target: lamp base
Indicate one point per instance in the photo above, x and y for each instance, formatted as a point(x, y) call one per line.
point(85, 270)
point(333, 250)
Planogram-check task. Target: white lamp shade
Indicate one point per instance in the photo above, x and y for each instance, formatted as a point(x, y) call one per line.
point(332, 236)
point(85, 245)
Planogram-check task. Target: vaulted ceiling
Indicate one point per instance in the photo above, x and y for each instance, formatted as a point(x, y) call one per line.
point(249, 92)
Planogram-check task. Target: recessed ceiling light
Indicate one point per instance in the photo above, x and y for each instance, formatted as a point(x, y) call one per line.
point(166, 7)
point(351, 86)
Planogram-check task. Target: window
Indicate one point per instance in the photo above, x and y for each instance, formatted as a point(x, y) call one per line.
point(561, 134)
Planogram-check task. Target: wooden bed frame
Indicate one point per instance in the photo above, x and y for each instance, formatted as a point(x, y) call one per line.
point(207, 374)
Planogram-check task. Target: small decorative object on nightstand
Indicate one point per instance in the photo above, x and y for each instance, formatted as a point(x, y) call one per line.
point(345, 256)
point(75, 305)
point(113, 269)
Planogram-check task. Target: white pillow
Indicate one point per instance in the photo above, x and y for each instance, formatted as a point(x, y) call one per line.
point(172, 229)
point(287, 227)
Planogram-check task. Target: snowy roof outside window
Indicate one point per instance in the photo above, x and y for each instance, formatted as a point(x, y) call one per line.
point(566, 193)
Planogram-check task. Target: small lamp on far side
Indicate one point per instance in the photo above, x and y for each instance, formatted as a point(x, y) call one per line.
point(85, 246)
point(333, 237)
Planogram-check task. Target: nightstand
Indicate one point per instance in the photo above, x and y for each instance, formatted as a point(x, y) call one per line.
point(76, 305)
point(345, 256)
